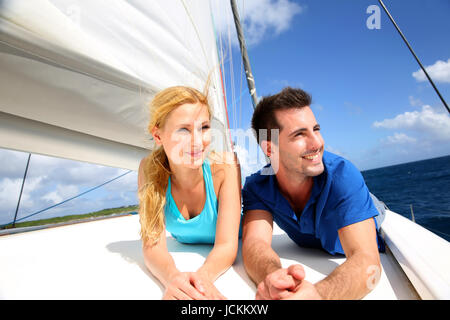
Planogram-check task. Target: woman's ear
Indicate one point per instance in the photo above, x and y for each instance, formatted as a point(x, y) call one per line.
point(156, 135)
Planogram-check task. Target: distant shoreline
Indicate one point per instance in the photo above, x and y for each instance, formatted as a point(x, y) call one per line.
point(105, 213)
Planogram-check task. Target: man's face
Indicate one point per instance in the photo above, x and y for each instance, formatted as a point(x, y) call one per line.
point(300, 146)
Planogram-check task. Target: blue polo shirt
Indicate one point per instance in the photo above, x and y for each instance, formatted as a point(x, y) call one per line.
point(339, 198)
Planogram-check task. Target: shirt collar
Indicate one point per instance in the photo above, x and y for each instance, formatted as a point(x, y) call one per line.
point(281, 204)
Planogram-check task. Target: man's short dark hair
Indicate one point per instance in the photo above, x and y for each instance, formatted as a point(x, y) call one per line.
point(264, 114)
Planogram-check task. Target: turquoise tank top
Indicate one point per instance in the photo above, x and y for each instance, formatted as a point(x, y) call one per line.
point(201, 228)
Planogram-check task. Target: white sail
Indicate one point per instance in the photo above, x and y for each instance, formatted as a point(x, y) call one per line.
point(76, 77)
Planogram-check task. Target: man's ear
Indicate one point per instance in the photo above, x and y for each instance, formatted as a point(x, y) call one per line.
point(156, 135)
point(266, 147)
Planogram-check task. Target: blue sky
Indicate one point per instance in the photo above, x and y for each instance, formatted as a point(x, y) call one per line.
point(373, 107)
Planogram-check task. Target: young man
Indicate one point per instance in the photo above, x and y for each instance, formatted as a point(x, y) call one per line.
point(319, 199)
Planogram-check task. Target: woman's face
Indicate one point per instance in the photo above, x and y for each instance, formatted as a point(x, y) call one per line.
point(186, 135)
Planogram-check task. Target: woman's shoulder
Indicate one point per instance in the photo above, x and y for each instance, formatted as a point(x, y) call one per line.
point(222, 157)
point(222, 161)
point(223, 165)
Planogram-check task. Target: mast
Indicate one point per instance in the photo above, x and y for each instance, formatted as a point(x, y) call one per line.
point(245, 59)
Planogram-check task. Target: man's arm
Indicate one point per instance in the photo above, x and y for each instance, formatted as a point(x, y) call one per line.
point(358, 275)
point(262, 264)
point(258, 255)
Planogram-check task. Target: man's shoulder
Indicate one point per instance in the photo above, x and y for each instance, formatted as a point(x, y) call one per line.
point(259, 179)
point(343, 177)
point(260, 190)
point(338, 167)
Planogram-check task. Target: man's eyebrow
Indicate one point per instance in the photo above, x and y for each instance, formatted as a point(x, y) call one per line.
point(302, 130)
point(297, 131)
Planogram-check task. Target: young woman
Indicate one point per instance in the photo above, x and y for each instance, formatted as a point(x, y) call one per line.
point(186, 190)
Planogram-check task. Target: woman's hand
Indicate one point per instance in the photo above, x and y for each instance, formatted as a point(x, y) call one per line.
point(210, 290)
point(185, 286)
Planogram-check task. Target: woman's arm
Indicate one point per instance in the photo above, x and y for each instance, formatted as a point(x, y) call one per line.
point(225, 247)
point(159, 261)
point(179, 285)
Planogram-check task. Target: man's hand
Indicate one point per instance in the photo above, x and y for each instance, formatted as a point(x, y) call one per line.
point(281, 284)
point(305, 291)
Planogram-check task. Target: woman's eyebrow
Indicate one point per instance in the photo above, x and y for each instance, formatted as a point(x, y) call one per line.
point(189, 124)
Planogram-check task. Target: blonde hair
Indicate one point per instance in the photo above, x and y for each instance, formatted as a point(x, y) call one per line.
point(156, 169)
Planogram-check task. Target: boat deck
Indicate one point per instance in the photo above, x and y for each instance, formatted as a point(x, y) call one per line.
point(103, 260)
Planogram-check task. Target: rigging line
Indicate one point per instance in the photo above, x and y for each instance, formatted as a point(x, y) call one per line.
point(241, 74)
point(415, 56)
point(57, 204)
point(21, 190)
point(224, 80)
point(240, 97)
point(222, 72)
point(233, 96)
point(196, 31)
point(220, 58)
point(232, 78)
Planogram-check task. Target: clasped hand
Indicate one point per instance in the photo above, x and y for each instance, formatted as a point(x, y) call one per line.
point(191, 286)
point(287, 283)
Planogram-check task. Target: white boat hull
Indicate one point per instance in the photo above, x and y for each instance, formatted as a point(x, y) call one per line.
point(103, 260)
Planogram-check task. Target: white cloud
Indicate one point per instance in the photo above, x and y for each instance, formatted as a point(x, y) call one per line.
point(53, 197)
point(61, 193)
point(439, 72)
point(426, 134)
point(399, 138)
point(415, 102)
point(243, 156)
point(13, 163)
point(52, 180)
point(251, 157)
point(258, 18)
point(427, 121)
point(127, 183)
point(9, 195)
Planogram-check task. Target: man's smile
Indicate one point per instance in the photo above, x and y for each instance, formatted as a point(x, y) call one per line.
point(313, 156)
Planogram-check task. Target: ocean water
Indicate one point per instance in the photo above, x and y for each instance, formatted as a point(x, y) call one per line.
point(424, 185)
